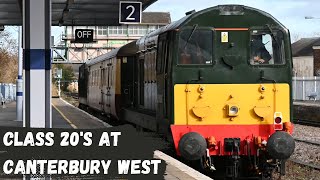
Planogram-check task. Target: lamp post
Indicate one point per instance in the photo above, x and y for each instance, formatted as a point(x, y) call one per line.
point(19, 87)
point(58, 75)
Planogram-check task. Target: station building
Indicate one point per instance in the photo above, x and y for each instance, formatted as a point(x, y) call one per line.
point(306, 57)
point(107, 38)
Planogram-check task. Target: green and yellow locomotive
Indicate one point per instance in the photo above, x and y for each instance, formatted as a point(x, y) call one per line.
point(217, 82)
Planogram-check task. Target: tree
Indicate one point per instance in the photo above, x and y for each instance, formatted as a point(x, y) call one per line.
point(67, 72)
point(8, 58)
point(67, 75)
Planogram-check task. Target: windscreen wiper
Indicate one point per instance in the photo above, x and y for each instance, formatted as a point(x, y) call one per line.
point(272, 34)
point(193, 30)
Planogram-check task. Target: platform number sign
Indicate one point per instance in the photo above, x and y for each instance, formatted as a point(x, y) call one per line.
point(130, 12)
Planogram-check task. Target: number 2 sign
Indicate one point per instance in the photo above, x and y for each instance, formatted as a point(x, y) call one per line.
point(130, 12)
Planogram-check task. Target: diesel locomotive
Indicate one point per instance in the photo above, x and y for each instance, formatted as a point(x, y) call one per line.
point(216, 82)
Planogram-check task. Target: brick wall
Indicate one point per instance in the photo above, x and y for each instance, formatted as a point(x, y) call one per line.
point(316, 60)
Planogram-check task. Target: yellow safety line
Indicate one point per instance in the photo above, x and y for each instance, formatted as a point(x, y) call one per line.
point(65, 118)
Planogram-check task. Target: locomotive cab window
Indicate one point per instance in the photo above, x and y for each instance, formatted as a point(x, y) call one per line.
point(267, 48)
point(195, 46)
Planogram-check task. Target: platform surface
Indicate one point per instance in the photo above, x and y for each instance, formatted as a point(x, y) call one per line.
point(175, 170)
point(64, 115)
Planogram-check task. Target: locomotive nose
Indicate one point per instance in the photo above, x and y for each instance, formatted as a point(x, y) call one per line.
point(280, 145)
point(192, 146)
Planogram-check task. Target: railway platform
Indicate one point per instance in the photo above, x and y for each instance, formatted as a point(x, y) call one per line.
point(307, 103)
point(8, 115)
point(307, 112)
point(64, 115)
point(73, 116)
point(176, 170)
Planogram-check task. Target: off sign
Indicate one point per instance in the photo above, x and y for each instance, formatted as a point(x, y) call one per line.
point(83, 36)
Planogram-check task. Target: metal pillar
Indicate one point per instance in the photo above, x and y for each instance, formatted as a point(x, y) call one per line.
point(59, 90)
point(37, 63)
point(19, 87)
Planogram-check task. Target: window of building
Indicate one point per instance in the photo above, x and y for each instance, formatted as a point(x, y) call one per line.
point(102, 30)
point(137, 30)
point(117, 30)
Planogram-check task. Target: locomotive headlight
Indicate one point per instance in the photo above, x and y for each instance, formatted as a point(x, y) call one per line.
point(233, 110)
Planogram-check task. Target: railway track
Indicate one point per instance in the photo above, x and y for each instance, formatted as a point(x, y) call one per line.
point(307, 122)
point(73, 95)
point(307, 141)
point(303, 163)
point(313, 166)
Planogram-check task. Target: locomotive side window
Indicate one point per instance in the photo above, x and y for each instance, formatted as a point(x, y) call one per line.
point(102, 78)
point(267, 48)
point(141, 81)
point(195, 46)
point(162, 54)
point(93, 77)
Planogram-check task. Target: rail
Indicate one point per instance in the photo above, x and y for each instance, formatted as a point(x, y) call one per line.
point(307, 122)
point(313, 166)
point(71, 94)
point(307, 141)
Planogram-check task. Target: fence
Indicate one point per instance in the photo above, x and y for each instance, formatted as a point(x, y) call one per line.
point(305, 86)
point(8, 91)
point(302, 88)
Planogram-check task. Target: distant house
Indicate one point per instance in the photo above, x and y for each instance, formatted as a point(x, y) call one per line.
point(306, 57)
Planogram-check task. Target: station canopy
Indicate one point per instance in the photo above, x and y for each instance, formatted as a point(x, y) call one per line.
point(70, 12)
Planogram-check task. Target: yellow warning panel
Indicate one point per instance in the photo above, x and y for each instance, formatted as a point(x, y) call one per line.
point(224, 37)
point(241, 104)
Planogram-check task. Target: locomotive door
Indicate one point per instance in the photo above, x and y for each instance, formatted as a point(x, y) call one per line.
point(162, 79)
point(127, 81)
point(101, 87)
point(107, 96)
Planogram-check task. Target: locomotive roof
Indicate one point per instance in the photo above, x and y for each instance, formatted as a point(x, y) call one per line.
point(144, 40)
point(172, 26)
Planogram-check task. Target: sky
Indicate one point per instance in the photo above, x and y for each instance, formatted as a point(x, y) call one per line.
point(290, 13)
